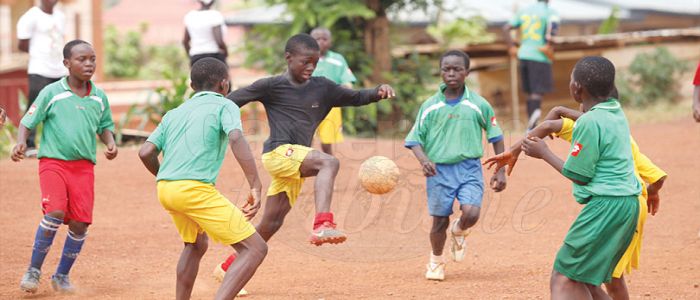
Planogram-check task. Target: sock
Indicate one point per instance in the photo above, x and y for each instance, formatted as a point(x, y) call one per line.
point(43, 240)
point(228, 262)
point(533, 112)
point(71, 249)
point(436, 259)
point(322, 218)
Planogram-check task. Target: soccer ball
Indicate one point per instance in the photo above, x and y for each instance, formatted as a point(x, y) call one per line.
point(379, 175)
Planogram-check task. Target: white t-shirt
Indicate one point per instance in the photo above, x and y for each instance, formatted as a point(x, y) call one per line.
point(45, 34)
point(199, 25)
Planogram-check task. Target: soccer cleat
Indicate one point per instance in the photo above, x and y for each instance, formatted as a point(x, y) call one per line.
point(436, 271)
point(326, 233)
point(61, 284)
point(30, 280)
point(459, 242)
point(219, 274)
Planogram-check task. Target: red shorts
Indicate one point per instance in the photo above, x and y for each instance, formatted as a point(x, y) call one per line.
point(68, 186)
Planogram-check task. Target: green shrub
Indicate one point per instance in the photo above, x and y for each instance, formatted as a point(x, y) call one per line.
point(650, 78)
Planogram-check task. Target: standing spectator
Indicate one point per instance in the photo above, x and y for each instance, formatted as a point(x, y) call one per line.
point(537, 24)
point(204, 33)
point(40, 33)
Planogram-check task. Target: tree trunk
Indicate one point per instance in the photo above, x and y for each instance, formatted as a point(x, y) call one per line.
point(377, 41)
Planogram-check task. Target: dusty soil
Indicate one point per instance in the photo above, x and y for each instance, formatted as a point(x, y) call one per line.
point(133, 247)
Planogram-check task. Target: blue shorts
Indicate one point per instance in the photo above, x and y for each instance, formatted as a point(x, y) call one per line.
point(463, 181)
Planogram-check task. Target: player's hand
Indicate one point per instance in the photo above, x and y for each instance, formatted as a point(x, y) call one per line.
point(3, 117)
point(385, 91)
point(18, 151)
point(653, 201)
point(534, 147)
point(111, 151)
point(252, 204)
point(513, 51)
point(696, 113)
point(547, 50)
point(498, 181)
point(428, 168)
point(502, 160)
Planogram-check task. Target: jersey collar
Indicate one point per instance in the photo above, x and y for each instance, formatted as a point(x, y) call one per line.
point(203, 93)
point(465, 96)
point(610, 104)
point(66, 87)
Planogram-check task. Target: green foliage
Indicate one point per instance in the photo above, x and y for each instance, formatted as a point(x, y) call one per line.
point(610, 24)
point(7, 139)
point(168, 98)
point(123, 54)
point(126, 57)
point(461, 32)
point(651, 77)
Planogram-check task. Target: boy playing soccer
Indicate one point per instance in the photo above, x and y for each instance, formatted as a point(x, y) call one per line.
point(560, 122)
point(601, 167)
point(333, 66)
point(446, 140)
point(295, 103)
point(73, 110)
point(193, 139)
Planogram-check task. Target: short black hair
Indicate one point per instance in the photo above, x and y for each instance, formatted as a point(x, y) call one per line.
point(458, 53)
point(301, 41)
point(68, 48)
point(596, 74)
point(207, 72)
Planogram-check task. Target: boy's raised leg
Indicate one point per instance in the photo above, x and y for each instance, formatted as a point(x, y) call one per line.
point(251, 253)
point(325, 168)
point(563, 288)
point(188, 266)
point(460, 230)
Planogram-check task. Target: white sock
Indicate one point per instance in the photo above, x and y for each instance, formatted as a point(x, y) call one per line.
point(436, 259)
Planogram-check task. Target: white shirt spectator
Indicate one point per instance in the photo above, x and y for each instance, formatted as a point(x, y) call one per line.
point(45, 34)
point(199, 25)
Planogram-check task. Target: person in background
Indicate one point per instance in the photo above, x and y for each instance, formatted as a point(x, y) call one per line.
point(204, 33)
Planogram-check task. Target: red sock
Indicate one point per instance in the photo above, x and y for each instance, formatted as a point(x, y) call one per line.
point(228, 262)
point(322, 218)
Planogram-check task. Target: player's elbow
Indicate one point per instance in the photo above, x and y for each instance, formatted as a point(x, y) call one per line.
point(147, 151)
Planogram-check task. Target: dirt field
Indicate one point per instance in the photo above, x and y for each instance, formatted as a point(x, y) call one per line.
point(133, 247)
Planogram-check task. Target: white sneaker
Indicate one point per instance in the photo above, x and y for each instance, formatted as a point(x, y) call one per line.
point(436, 271)
point(459, 241)
point(219, 274)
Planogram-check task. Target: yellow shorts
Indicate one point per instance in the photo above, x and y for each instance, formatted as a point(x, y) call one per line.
point(330, 131)
point(630, 259)
point(283, 165)
point(198, 207)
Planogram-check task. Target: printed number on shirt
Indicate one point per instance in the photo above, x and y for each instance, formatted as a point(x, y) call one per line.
point(531, 23)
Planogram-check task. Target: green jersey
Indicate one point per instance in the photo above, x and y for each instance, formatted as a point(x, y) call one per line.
point(193, 137)
point(535, 22)
point(450, 131)
point(334, 67)
point(601, 156)
point(70, 121)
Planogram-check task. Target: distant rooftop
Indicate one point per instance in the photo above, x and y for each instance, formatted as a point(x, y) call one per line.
point(496, 11)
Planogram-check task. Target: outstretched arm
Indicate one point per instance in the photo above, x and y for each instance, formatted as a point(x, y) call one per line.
point(149, 157)
point(498, 180)
point(348, 97)
point(537, 148)
point(510, 157)
point(241, 150)
point(559, 112)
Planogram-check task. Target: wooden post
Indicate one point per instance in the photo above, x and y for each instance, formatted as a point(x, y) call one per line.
point(515, 102)
point(97, 38)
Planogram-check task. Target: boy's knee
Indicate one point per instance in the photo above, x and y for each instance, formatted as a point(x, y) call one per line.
point(58, 214)
point(200, 246)
point(439, 225)
point(269, 227)
point(331, 162)
point(78, 228)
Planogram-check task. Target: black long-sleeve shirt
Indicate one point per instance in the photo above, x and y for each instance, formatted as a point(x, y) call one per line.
point(294, 111)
